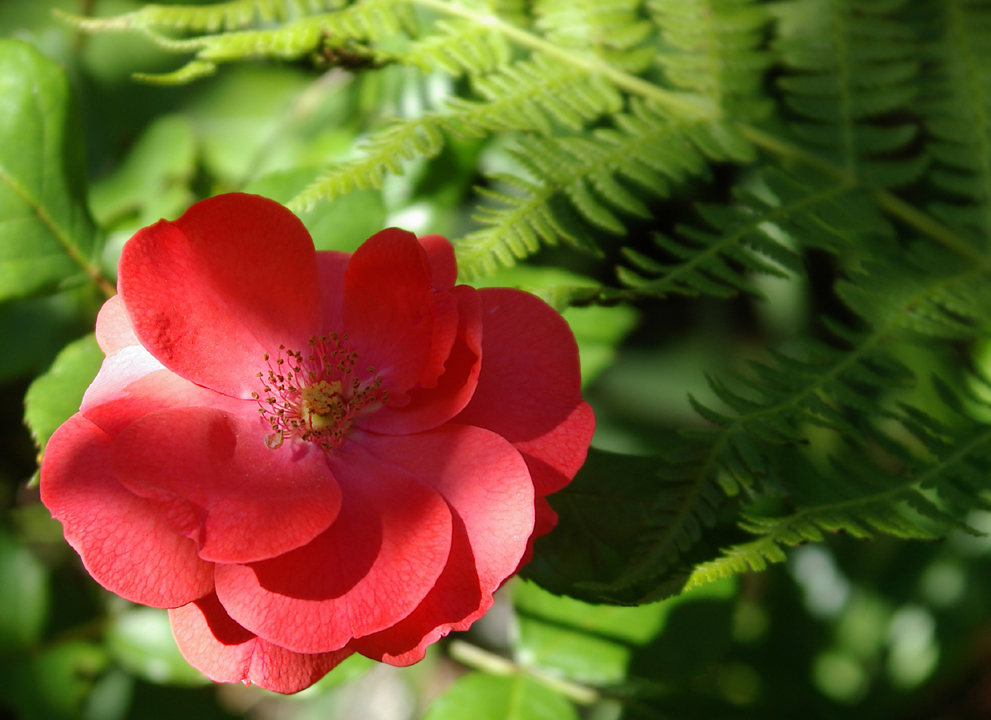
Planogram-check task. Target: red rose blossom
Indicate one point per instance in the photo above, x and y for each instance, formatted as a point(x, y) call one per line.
point(309, 454)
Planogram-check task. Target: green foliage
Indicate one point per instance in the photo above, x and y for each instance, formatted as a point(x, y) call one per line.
point(606, 110)
point(47, 238)
point(491, 697)
point(24, 594)
point(687, 158)
point(55, 396)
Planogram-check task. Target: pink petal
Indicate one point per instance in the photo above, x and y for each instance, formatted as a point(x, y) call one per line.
point(332, 264)
point(113, 328)
point(213, 479)
point(132, 384)
point(430, 407)
point(210, 293)
point(488, 486)
point(368, 571)
point(442, 337)
point(454, 602)
point(123, 542)
point(529, 389)
point(225, 652)
point(389, 309)
point(443, 265)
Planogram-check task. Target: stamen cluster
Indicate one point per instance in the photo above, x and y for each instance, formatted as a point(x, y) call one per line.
point(316, 397)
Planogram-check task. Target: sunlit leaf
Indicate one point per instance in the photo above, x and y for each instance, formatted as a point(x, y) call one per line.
point(55, 396)
point(47, 239)
point(490, 697)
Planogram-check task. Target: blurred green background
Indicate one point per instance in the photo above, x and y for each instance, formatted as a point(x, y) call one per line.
point(845, 629)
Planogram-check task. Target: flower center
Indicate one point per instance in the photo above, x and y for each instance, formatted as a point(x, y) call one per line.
point(317, 396)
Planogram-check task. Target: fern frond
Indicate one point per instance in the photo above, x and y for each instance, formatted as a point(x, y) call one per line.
point(205, 18)
point(644, 149)
point(843, 390)
point(363, 22)
point(612, 29)
point(750, 236)
point(714, 49)
point(383, 152)
point(459, 48)
point(958, 117)
point(884, 503)
point(853, 63)
point(530, 94)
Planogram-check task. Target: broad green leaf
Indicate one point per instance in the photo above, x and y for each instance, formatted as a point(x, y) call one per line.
point(591, 644)
point(636, 625)
point(55, 396)
point(47, 239)
point(581, 657)
point(23, 596)
point(478, 696)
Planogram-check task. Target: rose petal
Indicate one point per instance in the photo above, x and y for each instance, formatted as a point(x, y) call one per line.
point(132, 384)
point(210, 293)
point(429, 407)
point(368, 571)
point(389, 310)
point(529, 386)
point(443, 265)
point(213, 479)
point(488, 486)
point(332, 265)
point(113, 328)
point(121, 538)
point(454, 602)
point(225, 652)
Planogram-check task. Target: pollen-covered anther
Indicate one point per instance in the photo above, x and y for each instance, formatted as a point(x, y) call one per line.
point(316, 397)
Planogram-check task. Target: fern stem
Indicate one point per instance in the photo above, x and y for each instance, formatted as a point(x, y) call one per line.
point(926, 224)
point(684, 105)
point(891, 203)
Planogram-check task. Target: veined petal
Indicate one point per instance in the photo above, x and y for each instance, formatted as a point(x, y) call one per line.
point(123, 541)
point(210, 293)
point(430, 407)
point(455, 601)
point(529, 386)
point(214, 480)
point(225, 652)
point(372, 568)
point(487, 485)
point(389, 312)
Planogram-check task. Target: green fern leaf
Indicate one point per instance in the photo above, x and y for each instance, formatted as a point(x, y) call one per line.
point(713, 48)
point(611, 29)
point(205, 18)
point(646, 149)
point(459, 48)
point(853, 63)
point(958, 118)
